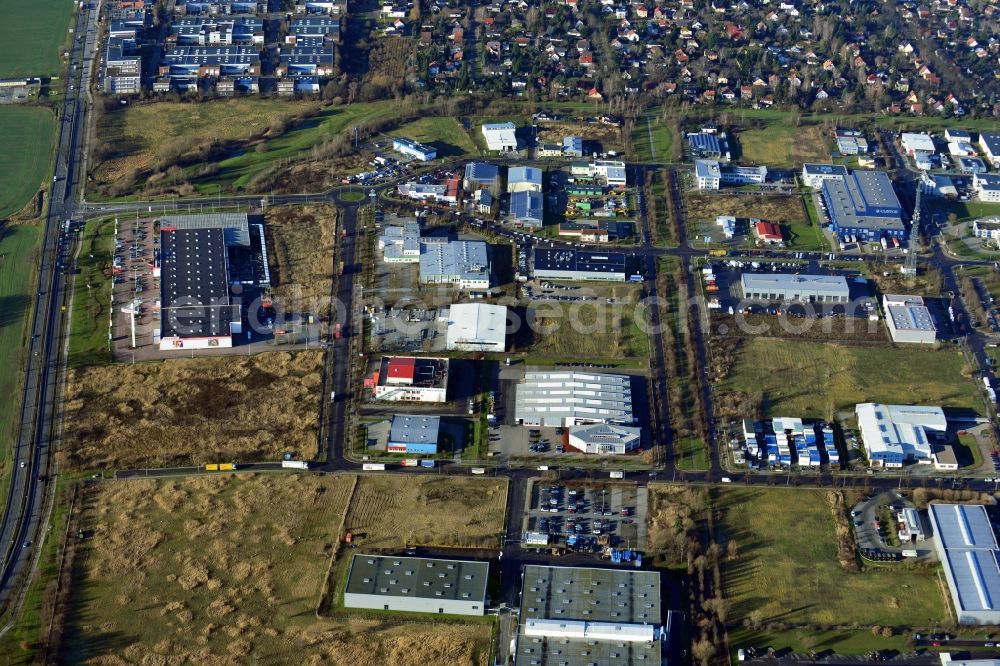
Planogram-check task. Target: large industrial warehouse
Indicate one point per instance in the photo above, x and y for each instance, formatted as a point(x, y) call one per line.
point(908, 319)
point(863, 207)
point(896, 434)
point(565, 264)
point(202, 257)
point(578, 616)
point(477, 327)
point(967, 548)
point(463, 264)
point(569, 398)
point(416, 585)
point(788, 288)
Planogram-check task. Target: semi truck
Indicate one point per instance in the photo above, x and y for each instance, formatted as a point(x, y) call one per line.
point(373, 467)
point(294, 464)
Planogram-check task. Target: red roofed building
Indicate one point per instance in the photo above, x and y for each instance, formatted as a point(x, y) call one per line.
point(409, 379)
point(401, 370)
point(768, 232)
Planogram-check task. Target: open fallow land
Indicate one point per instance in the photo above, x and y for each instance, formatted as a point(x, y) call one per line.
point(228, 570)
point(192, 411)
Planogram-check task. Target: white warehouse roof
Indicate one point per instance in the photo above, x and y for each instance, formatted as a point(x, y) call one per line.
point(566, 398)
point(898, 430)
point(913, 141)
point(594, 631)
point(967, 548)
point(477, 327)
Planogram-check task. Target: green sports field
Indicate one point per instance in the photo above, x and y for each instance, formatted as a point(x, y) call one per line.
point(31, 36)
point(25, 153)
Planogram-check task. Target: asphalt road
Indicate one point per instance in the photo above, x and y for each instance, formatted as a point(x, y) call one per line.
point(24, 509)
point(339, 351)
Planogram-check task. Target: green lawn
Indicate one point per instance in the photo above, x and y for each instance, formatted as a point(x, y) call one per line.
point(19, 251)
point(787, 570)
point(443, 133)
point(88, 342)
point(651, 139)
point(816, 379)
point(805, 236)
point(26, 134)
point(967, 210)
point(31, 36)
point(800, 641)
point(691, 454)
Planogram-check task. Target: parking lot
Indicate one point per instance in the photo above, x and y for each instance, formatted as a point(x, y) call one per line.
point(587, 517)
point(727, 279)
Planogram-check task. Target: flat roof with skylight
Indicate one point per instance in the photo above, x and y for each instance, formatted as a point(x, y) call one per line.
point(580, 616)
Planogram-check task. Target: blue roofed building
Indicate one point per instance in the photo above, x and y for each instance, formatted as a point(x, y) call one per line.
point(708, 145)
point(527, 209)
point(481, 176)
point(971, 165)
point(520, 178)
point(414, 434)
point(813, 175)
point(863, 207)
point(572, 146)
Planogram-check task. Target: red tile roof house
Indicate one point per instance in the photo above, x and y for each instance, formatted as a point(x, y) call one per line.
point(768, 232)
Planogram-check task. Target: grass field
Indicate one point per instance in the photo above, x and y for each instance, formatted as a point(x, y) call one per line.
point(652, 140)
point(691, 454)
point(801, 641)
point(786, 568)
point(815, 379)
point(585, 330)
point(19, 250)
point(145, 134)
point(31, 36)
point(301, 255)
point(191, 411)
point(445, 134)
point(26, 136)
point(783, 145)
point(965, 210)
point(395, 512)
point(239, 170)
point(226, 570)
point(88, 342)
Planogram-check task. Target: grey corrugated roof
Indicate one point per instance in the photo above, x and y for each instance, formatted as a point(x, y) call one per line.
point(417, 577)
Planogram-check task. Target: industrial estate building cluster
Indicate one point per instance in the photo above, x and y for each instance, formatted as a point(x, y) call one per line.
point(892, 436)
point(567, 615)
